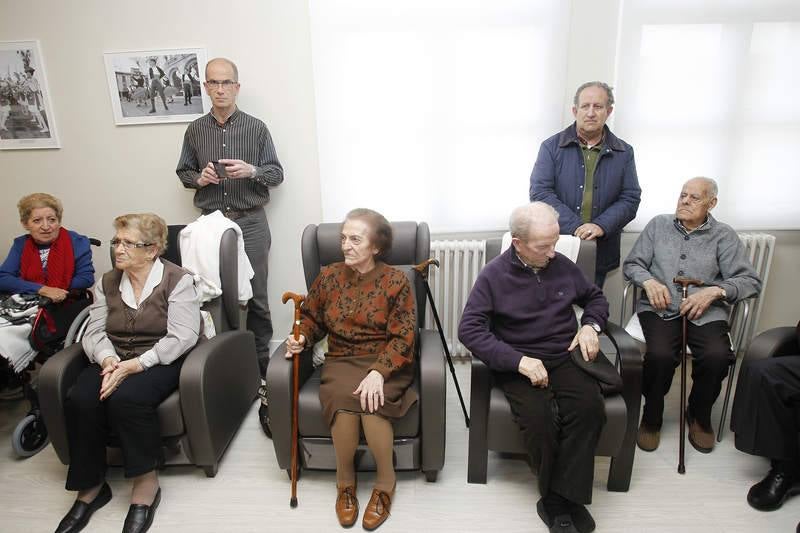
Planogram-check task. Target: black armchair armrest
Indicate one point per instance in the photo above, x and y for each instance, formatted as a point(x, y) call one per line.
point(218, 383)
point(433, 398)
point(480, 389)
point(55, 379)
point(279, 397)
point(775, 342)
point(630, 365)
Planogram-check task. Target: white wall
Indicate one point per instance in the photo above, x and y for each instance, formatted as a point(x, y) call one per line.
point(103, 170)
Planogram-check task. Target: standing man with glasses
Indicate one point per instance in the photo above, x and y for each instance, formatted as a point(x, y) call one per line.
point(588, 175)
point(242, 146)
point(689, 243)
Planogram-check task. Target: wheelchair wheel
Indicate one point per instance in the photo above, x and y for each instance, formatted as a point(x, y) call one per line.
point(30, 436)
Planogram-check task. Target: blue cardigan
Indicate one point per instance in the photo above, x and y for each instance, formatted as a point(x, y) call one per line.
point(558, 178)
point(12, 283)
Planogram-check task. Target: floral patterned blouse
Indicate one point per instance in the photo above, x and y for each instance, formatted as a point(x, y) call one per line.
point(362, 314)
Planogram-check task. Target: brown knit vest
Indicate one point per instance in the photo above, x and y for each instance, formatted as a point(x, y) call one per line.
point(134, 331)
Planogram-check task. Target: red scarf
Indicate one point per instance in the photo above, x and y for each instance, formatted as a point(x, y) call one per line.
point(60, 262)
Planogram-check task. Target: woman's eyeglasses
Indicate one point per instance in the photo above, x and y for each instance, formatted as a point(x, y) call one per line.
point(128, 244)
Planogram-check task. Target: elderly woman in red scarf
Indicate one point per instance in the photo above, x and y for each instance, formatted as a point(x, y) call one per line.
point(50, 260)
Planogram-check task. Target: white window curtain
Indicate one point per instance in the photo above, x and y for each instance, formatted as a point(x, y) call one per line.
point(433, 110)
point(710, 89)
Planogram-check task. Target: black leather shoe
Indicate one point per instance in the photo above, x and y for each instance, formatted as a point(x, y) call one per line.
point(140, 517)
point(80, 513)
point(561, 523)
point(770, 493)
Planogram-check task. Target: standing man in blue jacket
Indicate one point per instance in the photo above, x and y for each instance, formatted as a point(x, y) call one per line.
point(589, 176)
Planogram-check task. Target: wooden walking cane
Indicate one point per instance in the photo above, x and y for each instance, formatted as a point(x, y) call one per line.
point(298, 301)
point(684, 284)
point(422, 269)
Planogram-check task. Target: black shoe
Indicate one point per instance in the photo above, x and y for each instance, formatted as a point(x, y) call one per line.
point(770, 493)
point(140, 517)
point(561, 523)
point(581, 517)
point(152, 111)
point(80, 513)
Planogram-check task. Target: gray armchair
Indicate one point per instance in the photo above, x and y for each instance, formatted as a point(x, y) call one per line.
point(419, 436)
point(492, 425)
point(218, 381)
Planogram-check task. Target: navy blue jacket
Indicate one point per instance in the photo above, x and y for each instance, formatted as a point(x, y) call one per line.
point(558, 178)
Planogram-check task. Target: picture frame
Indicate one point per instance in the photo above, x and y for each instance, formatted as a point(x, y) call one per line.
point(26, 113)
point(156, 86)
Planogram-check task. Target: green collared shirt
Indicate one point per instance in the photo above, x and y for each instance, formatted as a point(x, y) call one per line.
point(590, 157)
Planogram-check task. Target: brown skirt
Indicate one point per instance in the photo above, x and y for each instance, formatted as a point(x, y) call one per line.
point(341, 376)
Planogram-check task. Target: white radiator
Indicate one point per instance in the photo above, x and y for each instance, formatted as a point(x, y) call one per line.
point(760, 247)
point(459, 265)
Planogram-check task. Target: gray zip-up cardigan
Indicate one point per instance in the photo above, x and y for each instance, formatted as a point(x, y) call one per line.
point(712, 253)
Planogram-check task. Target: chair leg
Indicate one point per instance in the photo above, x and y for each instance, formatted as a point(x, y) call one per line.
point(728, 389)
point(619, 475)
point(211, 470)
point(431, 475)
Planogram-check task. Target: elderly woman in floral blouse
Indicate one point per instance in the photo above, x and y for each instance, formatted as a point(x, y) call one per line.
point(367, 310)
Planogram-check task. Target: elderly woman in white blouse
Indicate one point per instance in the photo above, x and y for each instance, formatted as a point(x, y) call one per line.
point(145, 317)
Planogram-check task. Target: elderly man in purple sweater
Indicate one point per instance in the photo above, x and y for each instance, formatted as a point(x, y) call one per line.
point(519, 320)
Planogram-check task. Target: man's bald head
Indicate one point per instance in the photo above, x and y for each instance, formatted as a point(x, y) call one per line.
point(226, 62)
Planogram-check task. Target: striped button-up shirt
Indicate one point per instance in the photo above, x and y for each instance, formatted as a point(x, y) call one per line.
point(241, 137)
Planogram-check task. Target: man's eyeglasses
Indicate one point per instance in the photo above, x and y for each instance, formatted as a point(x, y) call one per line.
point(224, 84)
point(128, 244)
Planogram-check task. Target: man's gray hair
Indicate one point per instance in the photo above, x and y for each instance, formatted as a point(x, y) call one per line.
point(524, 216)
point(227, 62)
point(711, 186)
point(600, 84)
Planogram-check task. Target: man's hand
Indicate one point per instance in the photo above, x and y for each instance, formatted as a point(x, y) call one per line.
point(236, 168)
point(696, 303)
point(294, 347)
point(534, 370)
point(115, 373)
point(208, 175)
point(370, 391)
point(657, 293)
point(54, 293)
point(589, 232)
point(587, 339)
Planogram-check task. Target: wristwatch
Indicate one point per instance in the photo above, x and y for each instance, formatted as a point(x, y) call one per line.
point(594, 326)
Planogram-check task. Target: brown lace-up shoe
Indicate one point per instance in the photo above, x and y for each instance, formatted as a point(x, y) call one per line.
point(346, 505)
point(377, 510)
point(701, 438)
point(648, 438)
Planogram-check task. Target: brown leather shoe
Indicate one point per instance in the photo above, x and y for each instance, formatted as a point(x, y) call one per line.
point(346, 505)
point(377, 510)
point(648, 438)
point(701, 438)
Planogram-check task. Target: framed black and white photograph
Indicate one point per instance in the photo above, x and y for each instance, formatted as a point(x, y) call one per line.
point(26, 116)
point(156, 86)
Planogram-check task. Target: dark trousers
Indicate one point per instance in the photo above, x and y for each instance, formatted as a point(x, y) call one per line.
point(766, 408)
point(257, 242)
point(157, 87)
point(711, 354)
point(187, 93)
point(129, 414)
point(561, 425)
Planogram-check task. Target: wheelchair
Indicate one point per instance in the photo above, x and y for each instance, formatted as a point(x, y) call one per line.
point(53, 327)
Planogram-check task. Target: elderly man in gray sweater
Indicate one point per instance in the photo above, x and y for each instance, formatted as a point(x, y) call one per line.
point(694, 244)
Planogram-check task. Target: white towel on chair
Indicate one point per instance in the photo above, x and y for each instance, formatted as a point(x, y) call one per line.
point(15, 346)
point(199, 242)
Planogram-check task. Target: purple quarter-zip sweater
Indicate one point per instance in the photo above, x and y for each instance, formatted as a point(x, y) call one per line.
point(513, 311)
